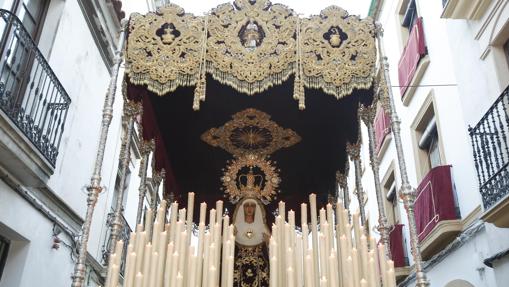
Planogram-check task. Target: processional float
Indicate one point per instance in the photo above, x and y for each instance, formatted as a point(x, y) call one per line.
point(251, 47)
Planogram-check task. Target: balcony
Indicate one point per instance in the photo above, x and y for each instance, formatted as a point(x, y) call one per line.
point(461, 9)
point(491, 155)
point(398, 252)
point(413, 62)
point(124, 235)
point(382, 131)
point(33, 103)
point(437, 220)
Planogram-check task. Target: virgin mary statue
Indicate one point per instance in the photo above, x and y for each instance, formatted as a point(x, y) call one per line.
point(251, 239)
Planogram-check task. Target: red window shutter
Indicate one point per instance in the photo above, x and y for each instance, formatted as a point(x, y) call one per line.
point(413, 52)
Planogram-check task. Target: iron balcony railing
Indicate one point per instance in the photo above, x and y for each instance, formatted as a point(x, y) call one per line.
point(125, 234)
point(491, 151)
point(30, 93)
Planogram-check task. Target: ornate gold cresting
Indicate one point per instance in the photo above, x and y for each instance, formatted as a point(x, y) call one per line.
point(164, 49)
point(261, 183)
point(251, 46)
point(338, 52)
point(251, 132)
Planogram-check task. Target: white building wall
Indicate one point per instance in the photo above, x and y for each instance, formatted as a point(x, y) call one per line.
point(465, 75)
point(69, 46)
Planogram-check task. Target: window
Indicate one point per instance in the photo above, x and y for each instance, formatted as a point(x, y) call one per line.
point(410, 16)
point(30, 12)
point(427, 140)
point(4, 249)
point(391, 199)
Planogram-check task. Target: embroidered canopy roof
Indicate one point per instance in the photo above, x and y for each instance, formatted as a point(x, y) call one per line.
point(243, 66)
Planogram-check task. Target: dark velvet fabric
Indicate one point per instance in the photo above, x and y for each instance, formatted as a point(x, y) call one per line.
point(435, 200)
point(397, 245)
point(326, 125)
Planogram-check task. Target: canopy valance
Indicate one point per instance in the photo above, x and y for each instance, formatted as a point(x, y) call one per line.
point(251, 46)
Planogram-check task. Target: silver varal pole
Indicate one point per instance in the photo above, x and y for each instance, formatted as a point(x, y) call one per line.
point(354, 151)
point(407, 193)
point(131, 109)
point(95, 182)
point(146, 149)
point(368, 116)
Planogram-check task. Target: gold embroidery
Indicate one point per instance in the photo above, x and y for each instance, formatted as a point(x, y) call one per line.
point(251, 46)
point(164, 48)
point(262, 184)
point(251, 132)
point(338, 52)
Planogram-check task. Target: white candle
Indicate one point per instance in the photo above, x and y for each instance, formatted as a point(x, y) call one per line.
point(273, 272)
point(174, 270)
point(356, 229)
point(192, 271)
point(190, 211)
point(182, 253)
point(182, 215)
point(372, 277)
point(344, 255)
point(355, 264)
point(290, 277)
point(303, 214)
point(323, 217)
point(153, 269)
point(364, 283)
point(308, 275)
point(230, 270)
point(364, 256)
point(298, 261)
point(328, 239)
point(281, 210)
point(314, 235)
point(212, 276)
point(139, 248)
point(130, 266)
point(173, 220)
point(201, 234)
point(148, 220)
point(180, 280)
point(203, 212)
point(391, 278)
point(323, 255)
point(219, 210)
point(138, 282)
point(146, 263)
point(114, 275)
point(383, 265)
point(169, 264)
point(161, 258)
point(206, 259)
point(348, 275)
point(305, 237)
point(333, 270)
point(323, 282)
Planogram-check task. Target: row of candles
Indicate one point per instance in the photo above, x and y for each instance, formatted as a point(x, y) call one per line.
point(336, 256)
point(162, 254)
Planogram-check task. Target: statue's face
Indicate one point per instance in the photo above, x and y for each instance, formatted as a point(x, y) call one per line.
point(249, 209)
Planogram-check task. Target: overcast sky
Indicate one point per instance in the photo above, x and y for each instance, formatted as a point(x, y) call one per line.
point(305, 7)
